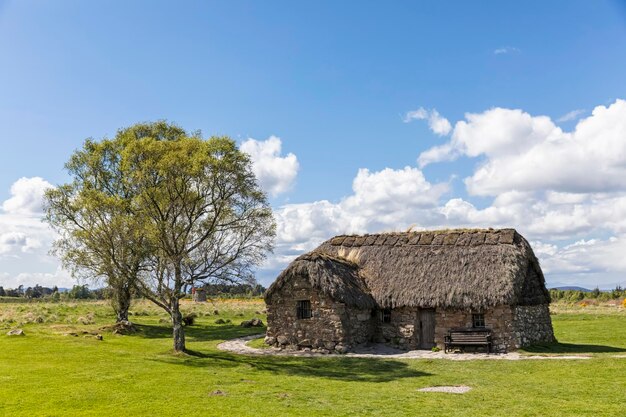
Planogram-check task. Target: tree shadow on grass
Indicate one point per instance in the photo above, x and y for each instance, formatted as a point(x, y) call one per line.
point(197, 333)
point(342, 369)
point(572, 348)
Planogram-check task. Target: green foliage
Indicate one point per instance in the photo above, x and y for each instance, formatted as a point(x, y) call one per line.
point(574, 296)
point(79, 292)
point(161, 211)
point(229, 290)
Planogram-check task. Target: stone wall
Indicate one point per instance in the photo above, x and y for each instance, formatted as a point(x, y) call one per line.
point(532, 324)
point(400, 331)
point(332, 327)
point(337, 327)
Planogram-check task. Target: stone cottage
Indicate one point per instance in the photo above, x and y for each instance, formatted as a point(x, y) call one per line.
point(409, 289)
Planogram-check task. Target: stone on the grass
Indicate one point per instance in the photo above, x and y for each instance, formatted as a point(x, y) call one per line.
point(255, 322)
point(123, 327)
point(461, 389)
point(16, 332)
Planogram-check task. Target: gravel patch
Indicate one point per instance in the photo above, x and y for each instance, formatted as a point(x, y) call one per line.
point(461, 389)
point(239, 346)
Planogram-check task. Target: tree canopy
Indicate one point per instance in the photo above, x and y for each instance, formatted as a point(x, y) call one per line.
point(161, 211)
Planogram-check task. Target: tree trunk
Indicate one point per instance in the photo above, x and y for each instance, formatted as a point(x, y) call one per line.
point(177, 324)
point(122, 315)
point(121, 302)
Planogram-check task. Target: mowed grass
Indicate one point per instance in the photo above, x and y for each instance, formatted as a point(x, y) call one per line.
point(50, 374)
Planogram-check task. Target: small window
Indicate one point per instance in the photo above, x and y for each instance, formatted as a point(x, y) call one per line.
point(385, 315)
point(304, 309)
point(478, 320)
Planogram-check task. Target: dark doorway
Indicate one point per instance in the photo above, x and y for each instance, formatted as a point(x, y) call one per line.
point(426, 319)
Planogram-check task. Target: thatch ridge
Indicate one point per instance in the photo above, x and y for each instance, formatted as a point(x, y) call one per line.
point(460, 237)
point(455, 268)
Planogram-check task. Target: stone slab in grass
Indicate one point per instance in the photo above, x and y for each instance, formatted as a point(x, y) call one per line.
point(460, 389)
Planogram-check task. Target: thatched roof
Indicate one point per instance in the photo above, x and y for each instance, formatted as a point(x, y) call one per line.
point(448, 268)
point(332, 276)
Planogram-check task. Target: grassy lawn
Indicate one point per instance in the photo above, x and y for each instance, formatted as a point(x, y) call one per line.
point(49, 373)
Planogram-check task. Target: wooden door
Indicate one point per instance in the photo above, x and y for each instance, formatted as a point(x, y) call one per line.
point(427, 328)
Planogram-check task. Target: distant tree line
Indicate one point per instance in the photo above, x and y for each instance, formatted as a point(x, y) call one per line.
point(234, 290)
point(83, 292)
point(77, 292)
point(596, 294)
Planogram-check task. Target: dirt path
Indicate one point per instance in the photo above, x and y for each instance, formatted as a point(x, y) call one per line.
point(240, 346)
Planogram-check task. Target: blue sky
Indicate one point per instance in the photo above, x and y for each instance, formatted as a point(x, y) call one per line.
point(333, 82)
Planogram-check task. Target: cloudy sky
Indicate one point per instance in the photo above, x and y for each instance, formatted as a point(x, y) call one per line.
point(359, 117)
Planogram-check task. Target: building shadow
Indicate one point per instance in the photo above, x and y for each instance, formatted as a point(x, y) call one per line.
point(571, 348)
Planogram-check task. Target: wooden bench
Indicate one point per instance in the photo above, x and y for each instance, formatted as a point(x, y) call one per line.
point(468, 337)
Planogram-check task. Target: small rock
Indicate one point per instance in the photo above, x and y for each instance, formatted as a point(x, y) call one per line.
point(270, 340)
point(252, 323)
point(220, 321)
point(341, 348)
point(16, 332)
point(98, 337)
point(329, 345)
point(122, 328)
point(217, 392)
point(215, 312)
point(305, 343)
point(282, 340)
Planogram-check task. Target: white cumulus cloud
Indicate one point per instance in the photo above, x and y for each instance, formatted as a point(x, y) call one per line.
point(525, 153)
point(24, 239)
point(436, 122)
point(275, 173)
point(26, 196)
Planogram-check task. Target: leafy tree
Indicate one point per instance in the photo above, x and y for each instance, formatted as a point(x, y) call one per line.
point(205, 217)
point(2, 292)
point(11, 292)
point(100, 238)
point(79, 292)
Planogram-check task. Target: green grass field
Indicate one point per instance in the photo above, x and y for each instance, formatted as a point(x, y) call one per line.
point(49, 373)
